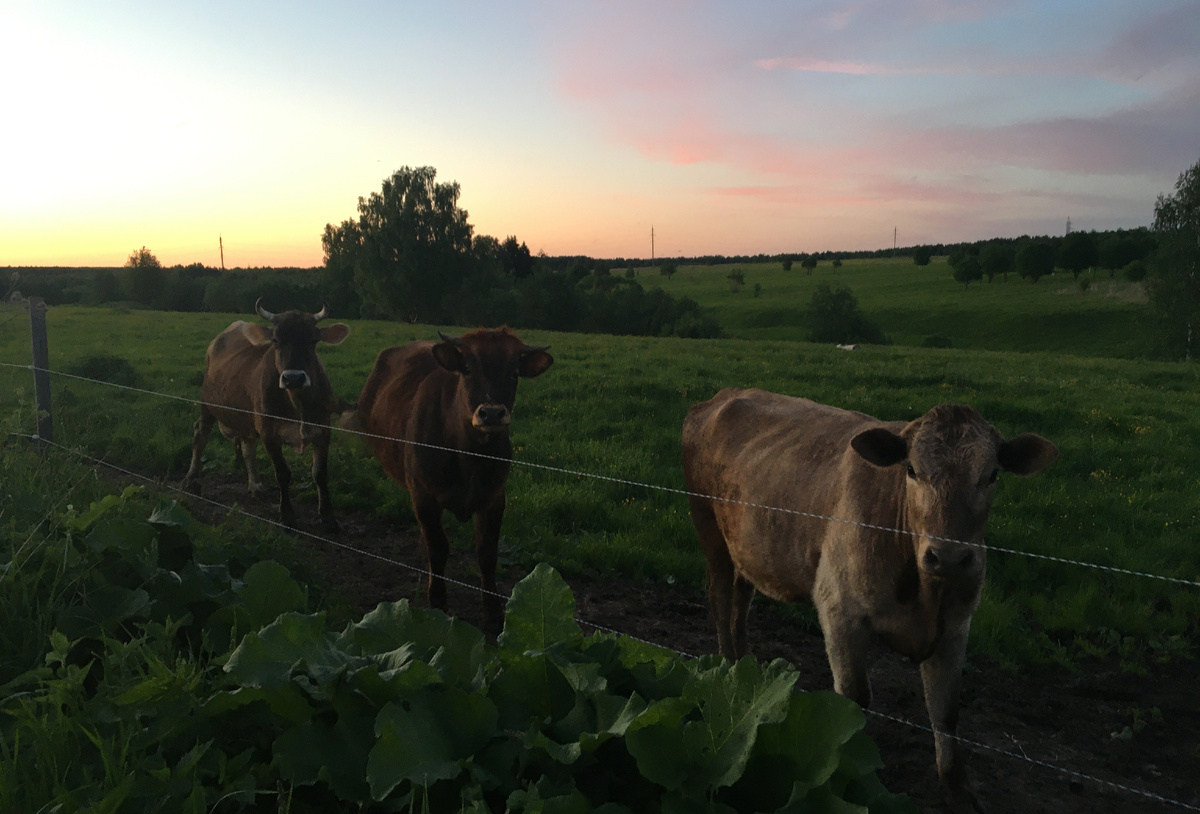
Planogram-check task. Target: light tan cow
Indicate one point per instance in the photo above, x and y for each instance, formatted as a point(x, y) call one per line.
point(906, 561)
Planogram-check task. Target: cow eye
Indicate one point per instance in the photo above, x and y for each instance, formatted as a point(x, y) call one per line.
point(995, 474)
point(912, 473)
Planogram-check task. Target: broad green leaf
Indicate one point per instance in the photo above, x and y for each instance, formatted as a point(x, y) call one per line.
point(809, 740)
point(130, 537)
point(427, 737)
point(540, 612)
point(293, 643)
point(653, 740)
point(395, 633)
point(101, 507)
point(336, 754)
point(268, 590)
point(734, 702)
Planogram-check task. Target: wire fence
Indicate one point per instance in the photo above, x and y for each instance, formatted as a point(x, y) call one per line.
point(1006, 753)
point(1045, 765)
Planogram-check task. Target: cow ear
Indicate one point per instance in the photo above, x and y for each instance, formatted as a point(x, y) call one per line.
point(334, 334)
point(449, 356)
point(535, 361)
point(1026, 454)
point(256, 334)
point(880, 446)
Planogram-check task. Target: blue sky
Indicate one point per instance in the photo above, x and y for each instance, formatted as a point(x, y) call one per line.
point(728, 128)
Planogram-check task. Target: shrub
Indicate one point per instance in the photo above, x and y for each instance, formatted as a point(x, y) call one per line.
point(835, 317)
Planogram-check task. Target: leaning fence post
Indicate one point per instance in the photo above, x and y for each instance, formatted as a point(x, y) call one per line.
point(41, 367)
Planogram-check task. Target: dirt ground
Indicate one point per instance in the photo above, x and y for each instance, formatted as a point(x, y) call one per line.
point(1045, 740)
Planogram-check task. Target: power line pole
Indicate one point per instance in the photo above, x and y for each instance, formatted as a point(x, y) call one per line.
point(651, 245)
point(221, 243)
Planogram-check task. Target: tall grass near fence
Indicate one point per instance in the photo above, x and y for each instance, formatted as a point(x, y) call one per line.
point(916, 304)
point(1123, 494)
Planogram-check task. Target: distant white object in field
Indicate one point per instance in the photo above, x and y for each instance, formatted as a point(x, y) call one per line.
point(848, 347)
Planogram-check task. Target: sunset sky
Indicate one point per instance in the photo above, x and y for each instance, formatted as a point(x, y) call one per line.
point(731, 128)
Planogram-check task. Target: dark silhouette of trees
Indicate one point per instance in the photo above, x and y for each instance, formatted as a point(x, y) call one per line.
point(1035, 259)
point(1175, 279)
point(996, 258)
point(409, 252)
point(922, 255)
point(834, 316)
point(1078, 252)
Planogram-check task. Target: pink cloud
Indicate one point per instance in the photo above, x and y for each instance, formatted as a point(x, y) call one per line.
point(834, 66)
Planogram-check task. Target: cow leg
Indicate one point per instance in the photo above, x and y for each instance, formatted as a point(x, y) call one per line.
point(739, 604)
point(721, 577)
point(847, 640)
point(437, 547)
point(941, 674)
point(283, 476)
point(247, 450)
point(487, 541)
point(320, 474)
point(200, 432)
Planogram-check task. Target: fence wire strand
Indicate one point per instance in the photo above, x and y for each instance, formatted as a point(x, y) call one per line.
point(1044, 765)
point(649, 486)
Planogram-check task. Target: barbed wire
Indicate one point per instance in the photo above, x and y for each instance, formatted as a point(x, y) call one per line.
point(627, 482)
point(1045, 765)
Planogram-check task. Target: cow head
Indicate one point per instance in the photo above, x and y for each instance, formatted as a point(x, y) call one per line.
point(489, 363)
point(951, 458)
point(294, 335)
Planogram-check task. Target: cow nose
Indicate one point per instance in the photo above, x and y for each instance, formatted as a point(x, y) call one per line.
point(944, 562)
point(491, 415)
point(293, 379)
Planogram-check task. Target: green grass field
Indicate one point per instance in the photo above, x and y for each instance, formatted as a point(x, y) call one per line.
point(911, 303)
point(1123, 494)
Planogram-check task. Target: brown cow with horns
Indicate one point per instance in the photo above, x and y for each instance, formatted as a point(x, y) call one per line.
point(269, 383)
point(438, 415)
point(904, 559)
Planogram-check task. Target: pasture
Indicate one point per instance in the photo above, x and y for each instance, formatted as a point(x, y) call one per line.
point(912, 303)
point(1123, 494)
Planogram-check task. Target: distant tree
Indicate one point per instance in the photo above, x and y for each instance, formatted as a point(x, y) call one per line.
point(1174, 283)
point(996, 258)
point(630, 273)
point(834, 316)
point(967, 269)
point(667, 268)
point(518, 262)
point(837, 262)
point(1078, 252)
point(142, 258)
point(105, 287)
point(144, 279)
point(409, 252)
point(737, 279)
point(1124, 246)
point(1035, 259)
point(787, 264)
point(922, 255)
point(809, 262)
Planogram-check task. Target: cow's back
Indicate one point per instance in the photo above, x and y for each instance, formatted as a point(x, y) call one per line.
point(776, 452)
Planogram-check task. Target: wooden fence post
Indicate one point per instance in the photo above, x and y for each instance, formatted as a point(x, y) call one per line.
point(41, 366)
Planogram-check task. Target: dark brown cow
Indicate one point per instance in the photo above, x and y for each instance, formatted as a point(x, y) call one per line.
point(449, 405)
point(906, 561)
point(269, 383)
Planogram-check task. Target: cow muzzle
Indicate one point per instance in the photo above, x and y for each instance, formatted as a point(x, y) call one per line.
point(951, 560)
point(294, 380)
point(491, 418)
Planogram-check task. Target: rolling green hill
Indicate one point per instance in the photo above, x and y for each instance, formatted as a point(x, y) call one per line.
point(912, 303)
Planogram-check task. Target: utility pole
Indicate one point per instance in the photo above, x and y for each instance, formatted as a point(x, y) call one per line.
point(652, 245)
point(221, 243)
point(1068, 224)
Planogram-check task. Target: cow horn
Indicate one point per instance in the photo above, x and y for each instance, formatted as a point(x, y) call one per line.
point(534, 348)
point(263, 312)
point(453, 340)
point(320, 315)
